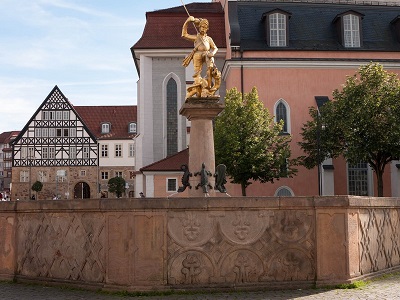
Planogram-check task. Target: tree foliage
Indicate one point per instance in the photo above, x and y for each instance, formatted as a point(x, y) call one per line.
point(362, 123)
point(37, 186)
point(116, 185)
point(249, 142)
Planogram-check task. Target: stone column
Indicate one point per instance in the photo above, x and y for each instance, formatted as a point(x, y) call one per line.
point(201, 112)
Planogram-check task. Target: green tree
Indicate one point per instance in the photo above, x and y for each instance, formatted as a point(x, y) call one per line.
point(116, 185)
point(362, 123)
point(37, 187)
point(250, 143)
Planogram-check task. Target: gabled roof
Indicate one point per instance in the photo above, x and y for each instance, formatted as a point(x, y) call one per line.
point(55, 96)
point(311, 26)
point(119, 117)
point(163, 28)
point(170, 163)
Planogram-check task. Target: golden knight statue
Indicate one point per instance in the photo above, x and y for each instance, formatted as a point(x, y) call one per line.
point(202, 54)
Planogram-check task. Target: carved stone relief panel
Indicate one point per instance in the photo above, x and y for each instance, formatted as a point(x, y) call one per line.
point(379, 239)
point(62, 245)
point(240, 247)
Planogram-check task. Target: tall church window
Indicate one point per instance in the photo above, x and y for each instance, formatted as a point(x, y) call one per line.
point(172, 117)
point(281, 115)
point(282, 112)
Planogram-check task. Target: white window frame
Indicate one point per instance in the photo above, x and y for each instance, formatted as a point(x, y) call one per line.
point(45, 153)
point(118, 150)
point(72, 132)
point(105, 128)
point(131, 150)
point(72, 152)
point(42, 176)
point(66, 115)
point(85, 152)
point(351, 31)
point(369, 180)
point(24, 176)
point(104, 175)
point(277, 30)
point(132, 127)
point(104, 150)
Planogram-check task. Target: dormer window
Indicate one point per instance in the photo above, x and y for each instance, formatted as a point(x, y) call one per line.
point(276, 28)
point(105, 128)
point(132, 127)
point(349, 29)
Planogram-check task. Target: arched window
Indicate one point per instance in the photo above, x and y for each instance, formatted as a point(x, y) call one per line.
point(282, 112)
point(284, 191)
point(172, 117)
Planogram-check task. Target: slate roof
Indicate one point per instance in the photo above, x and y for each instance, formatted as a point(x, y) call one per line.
point(163, 28)
point(311, 25)
point(118, 116)
point(171, 163)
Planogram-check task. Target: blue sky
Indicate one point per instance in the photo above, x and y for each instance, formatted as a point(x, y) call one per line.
point(82, 46)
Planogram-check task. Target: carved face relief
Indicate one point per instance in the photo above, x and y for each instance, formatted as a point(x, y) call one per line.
point(191, 227)
point(242, 226)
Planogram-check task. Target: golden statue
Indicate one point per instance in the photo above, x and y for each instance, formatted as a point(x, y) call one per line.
point(202, 54)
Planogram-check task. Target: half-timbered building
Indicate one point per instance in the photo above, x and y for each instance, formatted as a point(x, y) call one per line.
point(59, 149)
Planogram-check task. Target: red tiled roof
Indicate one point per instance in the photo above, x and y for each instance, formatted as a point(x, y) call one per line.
point(8, 136)
point(118, 116)
point(164, 27)
point(3, 136)
point(170, 163)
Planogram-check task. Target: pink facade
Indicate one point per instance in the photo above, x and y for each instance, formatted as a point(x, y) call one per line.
point(296, 76)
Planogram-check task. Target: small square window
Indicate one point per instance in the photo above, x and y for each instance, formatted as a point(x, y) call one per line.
point(104, 175)
point(82, 173)
point(171, 184)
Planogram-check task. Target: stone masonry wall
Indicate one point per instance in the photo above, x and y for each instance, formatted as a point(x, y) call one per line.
point(140, 244)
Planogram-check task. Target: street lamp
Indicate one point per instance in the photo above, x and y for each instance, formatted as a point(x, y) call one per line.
point(320, 127)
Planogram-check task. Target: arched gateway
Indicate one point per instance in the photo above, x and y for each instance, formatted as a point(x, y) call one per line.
point(81, 190)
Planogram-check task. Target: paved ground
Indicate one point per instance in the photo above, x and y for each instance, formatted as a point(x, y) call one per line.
point(387, 288)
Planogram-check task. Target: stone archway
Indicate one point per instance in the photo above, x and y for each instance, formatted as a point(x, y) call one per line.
point(81, 190)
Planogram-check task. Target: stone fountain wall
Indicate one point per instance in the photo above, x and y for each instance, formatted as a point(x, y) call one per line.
point(241, 242)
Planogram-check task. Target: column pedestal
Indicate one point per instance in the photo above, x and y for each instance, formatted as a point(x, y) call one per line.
point(201, 112)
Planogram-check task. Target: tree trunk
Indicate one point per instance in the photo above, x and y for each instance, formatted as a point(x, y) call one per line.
point(243, 185)
point(379, 179)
